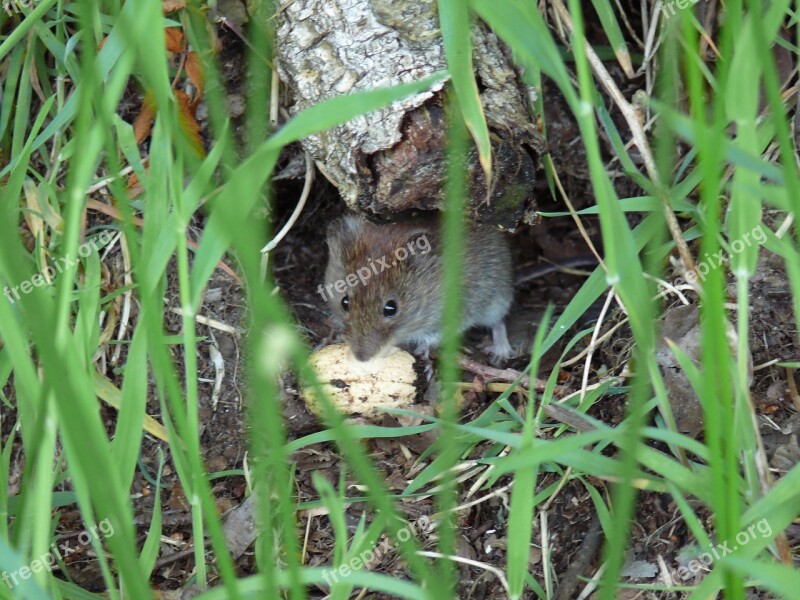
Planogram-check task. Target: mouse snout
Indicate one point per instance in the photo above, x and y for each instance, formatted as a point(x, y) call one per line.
point(365, 347)
point(361, 354)
point(362, 350)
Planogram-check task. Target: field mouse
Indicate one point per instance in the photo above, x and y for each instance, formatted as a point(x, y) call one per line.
point(384, 284)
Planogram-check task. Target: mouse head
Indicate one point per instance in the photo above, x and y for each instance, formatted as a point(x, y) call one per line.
point(382, 283)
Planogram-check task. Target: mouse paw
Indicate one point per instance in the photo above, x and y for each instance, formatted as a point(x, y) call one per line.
point(500, 350)
point(427, 369)
point(423, 350)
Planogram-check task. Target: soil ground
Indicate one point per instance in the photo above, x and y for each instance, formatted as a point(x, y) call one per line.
point(298, 265)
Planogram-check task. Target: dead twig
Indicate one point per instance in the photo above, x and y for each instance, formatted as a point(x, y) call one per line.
point(293, 219)
point(495, 374)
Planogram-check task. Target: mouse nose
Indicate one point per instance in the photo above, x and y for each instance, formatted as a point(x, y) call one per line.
point(362, 355)
point(362, 348)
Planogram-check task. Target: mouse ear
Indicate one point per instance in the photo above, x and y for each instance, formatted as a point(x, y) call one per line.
point(419, 241)
point(334, 233)
point(348, 225)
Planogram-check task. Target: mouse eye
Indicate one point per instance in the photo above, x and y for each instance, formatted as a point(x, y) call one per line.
point(390, 309)
point(346, 304)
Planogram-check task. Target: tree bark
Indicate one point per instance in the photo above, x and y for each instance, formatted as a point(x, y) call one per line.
point(392, 160)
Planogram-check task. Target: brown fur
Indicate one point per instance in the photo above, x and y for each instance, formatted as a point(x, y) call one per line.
point(414, 284)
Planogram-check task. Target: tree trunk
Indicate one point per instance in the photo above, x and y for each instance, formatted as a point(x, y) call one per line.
point(392, 160)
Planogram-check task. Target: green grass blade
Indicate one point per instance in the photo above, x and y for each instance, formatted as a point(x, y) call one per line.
point(614, 33)
point(455, 26)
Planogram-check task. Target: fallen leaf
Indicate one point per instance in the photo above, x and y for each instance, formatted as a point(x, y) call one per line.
point(143, 123)
point(640, 569)
point(189, 124)
point(33, 214)
point(240, 527)
point(169, 6)
point(174, 39)
point(111, 395)
point(35, 84)
point(194, 70)
point(135, 187)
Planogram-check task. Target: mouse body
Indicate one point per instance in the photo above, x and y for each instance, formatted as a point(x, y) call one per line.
point(384, 284)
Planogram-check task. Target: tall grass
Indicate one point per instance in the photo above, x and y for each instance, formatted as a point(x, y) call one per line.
point(65, 67)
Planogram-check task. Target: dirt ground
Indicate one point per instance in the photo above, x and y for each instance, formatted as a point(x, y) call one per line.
point(299, 261)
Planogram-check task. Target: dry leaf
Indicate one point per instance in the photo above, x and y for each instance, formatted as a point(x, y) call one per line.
point(194, 70)
point(35, 84)
point(33, 214)
point(189, 124)
point(144, 120)
point(135, 187)
point(174, 39)
point(169, 6)
point(105, 389)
